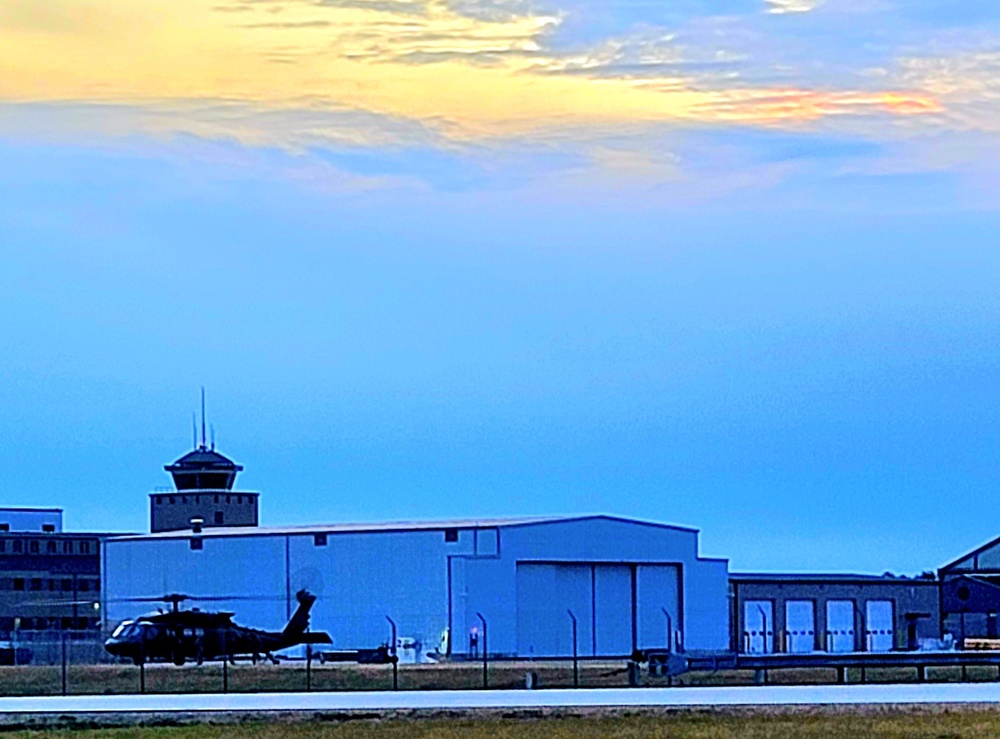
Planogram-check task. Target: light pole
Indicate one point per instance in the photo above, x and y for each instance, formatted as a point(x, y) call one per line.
point(486, 681)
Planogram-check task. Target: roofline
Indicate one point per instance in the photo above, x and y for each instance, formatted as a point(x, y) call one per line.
point(203, 491)
point(822, 577)
point(385, 527)
point(28, 509)
point(75, 534)
point(606, 517)
point(973, 553)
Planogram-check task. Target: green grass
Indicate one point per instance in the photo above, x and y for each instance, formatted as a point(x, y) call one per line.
point(704, 725)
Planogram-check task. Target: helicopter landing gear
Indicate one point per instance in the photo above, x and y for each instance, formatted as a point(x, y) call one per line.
point(137, 661)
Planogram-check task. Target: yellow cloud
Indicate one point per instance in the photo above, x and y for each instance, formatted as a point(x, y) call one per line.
point(407, 59)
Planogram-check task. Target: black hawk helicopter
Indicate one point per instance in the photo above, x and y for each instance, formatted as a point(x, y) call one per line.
point(182, 635)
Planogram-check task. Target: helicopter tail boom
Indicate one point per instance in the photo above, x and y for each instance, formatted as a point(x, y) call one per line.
point(299, 621)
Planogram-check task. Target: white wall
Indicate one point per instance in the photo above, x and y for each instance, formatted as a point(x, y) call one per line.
point(360, 578)
point(20, 519)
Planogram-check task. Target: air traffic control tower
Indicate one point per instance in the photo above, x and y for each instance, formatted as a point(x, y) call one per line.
point(203, 495)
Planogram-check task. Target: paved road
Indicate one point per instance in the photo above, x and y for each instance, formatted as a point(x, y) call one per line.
point(462, 699)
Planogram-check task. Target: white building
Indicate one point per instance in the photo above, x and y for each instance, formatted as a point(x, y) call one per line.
point(625, 581)
point(48, 520)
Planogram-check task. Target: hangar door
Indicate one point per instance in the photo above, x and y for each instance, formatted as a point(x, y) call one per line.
point(614, 606)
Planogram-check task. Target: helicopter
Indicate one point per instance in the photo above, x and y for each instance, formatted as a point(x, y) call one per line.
point(181, 635)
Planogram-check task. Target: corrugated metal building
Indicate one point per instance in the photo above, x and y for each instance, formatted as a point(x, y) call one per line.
point(625, 581)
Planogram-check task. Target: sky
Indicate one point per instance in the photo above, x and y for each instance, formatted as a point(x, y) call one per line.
point(727, 264)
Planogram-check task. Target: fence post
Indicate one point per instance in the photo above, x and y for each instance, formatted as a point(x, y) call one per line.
point(576, 662)
point(65, 681)
point(309, 664)
point(392, 654)
point(486, 680)
point(225, 664)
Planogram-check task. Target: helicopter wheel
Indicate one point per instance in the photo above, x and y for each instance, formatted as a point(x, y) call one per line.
point(179, 660)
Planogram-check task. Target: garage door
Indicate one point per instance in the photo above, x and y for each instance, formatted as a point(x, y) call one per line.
point(599, 595)
point(840, 626)
point(612, 610)
point(758, 627)
point(657, 588)
point(545, 594)
point(800, 626)
point(879, 625)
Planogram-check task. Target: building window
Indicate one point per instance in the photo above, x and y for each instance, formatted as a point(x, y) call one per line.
point(18, 546)
point(4, 527)
point(172, 500)
point(50, 547)
point(52, 585)
point(184, 499)
point(159, 500)
point(218, 518)
point(451, 535)
point(84, 547)
point(36, 583)
point(229, 498)
point(3, 545)
point(67, 585)
point(239, 500)
point(97, 586)
point(67, 547)
point(33, 546)
point(196, 543)
point(84, 586)
point(48, 528)
point(18, 583)
point(319, 540)
point(216, 498)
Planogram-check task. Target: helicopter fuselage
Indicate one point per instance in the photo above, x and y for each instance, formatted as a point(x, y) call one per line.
point(181, 636)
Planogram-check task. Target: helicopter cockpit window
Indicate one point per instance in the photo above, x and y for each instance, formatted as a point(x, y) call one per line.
point(120, 630)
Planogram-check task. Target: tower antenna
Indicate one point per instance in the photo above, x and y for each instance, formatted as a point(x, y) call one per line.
point(194, 431)
point(203, 417)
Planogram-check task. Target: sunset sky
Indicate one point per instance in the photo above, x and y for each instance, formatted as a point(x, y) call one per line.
point(728, 264)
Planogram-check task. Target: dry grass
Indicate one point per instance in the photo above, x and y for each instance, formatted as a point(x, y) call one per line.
point(119, 679)
point(704, 725)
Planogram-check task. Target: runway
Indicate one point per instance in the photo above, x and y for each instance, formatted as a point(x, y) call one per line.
point(828, 695)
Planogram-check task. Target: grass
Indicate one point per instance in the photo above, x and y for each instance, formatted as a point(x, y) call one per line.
point(122, 679)
point(700, 725)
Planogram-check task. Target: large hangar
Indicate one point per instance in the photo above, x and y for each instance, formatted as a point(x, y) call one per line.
point(626, 582)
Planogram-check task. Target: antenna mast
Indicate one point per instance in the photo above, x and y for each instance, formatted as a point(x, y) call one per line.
point(194, 431)
point(203, 417)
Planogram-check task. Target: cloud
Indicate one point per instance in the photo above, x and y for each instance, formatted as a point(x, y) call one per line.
point(780, 7)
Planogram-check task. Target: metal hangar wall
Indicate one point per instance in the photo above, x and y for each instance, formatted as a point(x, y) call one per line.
point(628, 584)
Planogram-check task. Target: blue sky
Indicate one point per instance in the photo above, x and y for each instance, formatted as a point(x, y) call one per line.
point(728, 265)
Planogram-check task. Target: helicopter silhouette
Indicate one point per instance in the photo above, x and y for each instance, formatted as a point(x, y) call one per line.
point(180, 636)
